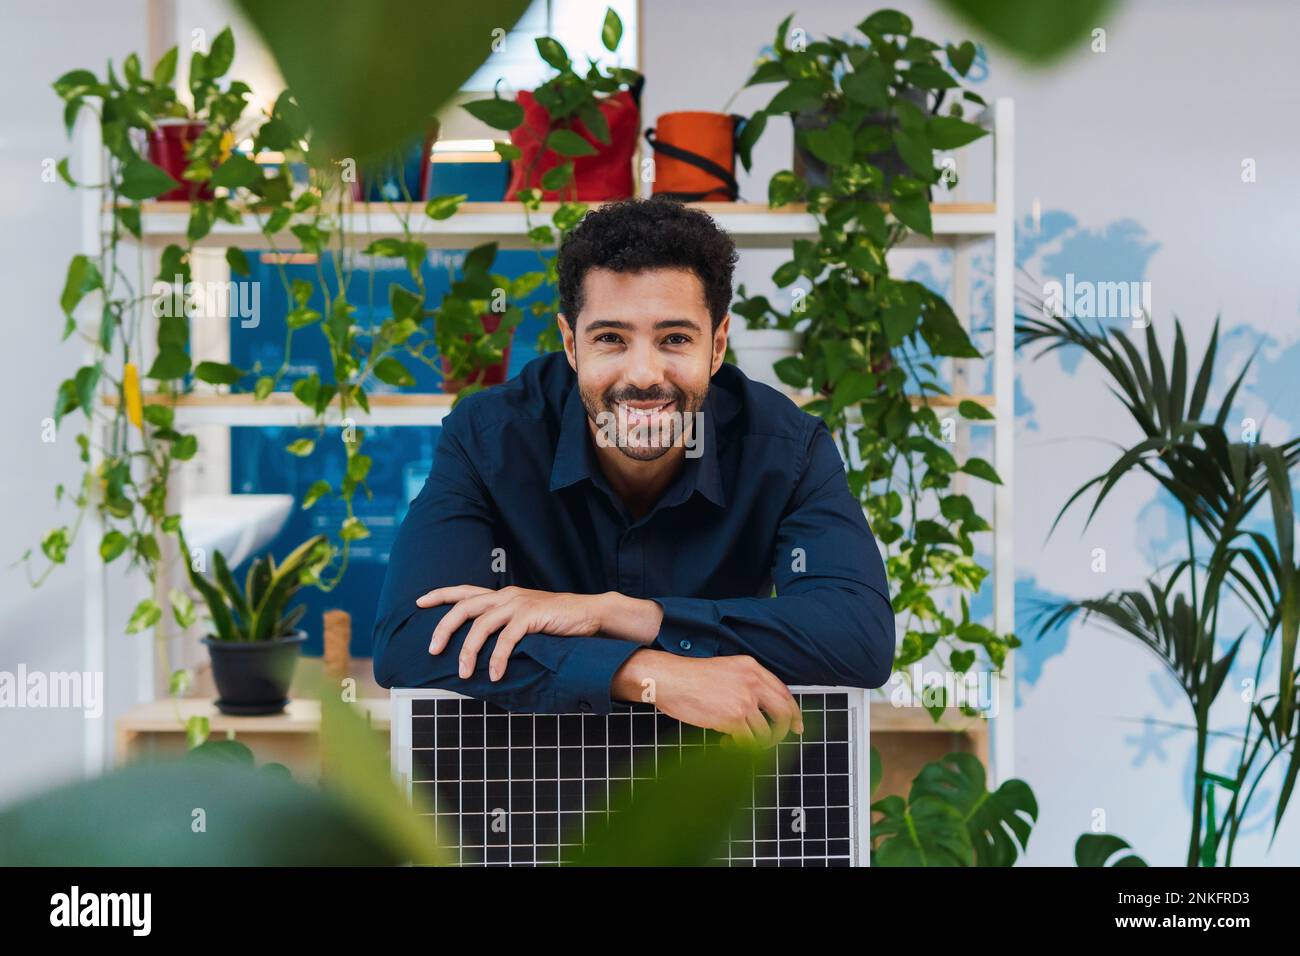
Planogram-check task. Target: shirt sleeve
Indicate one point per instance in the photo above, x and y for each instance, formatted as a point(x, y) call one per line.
point(446, 539)
point(831, 621)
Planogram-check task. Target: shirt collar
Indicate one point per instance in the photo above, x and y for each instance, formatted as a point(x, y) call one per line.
point(575, 458)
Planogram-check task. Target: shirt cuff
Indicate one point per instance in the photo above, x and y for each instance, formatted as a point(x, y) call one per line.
point(689, 627)
point(585, 682)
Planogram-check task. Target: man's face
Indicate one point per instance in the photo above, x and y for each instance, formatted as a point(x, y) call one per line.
point(644, 350)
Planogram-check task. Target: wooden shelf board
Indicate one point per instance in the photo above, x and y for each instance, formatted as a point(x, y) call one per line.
point(286, 400)
point(412, 409)
point(302, 716)
point(437, 400)
point(360, 209)
point(752, 225)
point(283, 409)
point(888, 719)
point(937, 401)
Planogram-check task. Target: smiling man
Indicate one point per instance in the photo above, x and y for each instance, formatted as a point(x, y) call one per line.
point(608, 526)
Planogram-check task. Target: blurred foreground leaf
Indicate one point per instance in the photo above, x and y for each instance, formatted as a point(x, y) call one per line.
point(189, 812)
point(369, 75)
point(1037, 31)
point(214, 808)
point(682, 818)
point(356, 769)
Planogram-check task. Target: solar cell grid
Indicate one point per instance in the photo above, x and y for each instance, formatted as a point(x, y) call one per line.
point(521, 789)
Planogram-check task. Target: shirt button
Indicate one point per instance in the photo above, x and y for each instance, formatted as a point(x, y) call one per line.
point(685, 645)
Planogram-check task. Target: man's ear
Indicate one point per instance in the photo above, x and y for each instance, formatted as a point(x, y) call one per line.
point(566, 336)
point(720, 343)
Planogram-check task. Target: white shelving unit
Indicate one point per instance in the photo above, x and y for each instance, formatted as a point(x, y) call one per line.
point(752, 225)
point(962, 227)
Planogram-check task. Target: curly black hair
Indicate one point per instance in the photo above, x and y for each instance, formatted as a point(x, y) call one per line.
point(635, 234)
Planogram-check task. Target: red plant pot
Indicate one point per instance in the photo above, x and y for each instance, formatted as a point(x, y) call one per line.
point(487, 376)
point(170, 142)
point(604, 174)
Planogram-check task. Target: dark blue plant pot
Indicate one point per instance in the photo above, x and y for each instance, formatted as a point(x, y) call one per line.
point(401, 177)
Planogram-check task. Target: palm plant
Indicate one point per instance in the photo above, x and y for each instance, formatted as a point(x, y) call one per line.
point(1218, 483)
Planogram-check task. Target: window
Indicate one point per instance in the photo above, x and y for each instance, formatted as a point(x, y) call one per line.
point(575, 23)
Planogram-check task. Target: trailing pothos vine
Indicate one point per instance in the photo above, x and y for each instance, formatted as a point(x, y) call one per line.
point(870, 113)
point(131, 438)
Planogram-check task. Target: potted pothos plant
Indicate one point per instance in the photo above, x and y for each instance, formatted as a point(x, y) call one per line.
point(255, 639)
point(566, 128)
point(870, 340)
point(184, 142)
point(191, 143)
point(758, 346)
point(572, 137)
point(473, 325)
point(130, 446)
point(476, 324)
point(131, 440)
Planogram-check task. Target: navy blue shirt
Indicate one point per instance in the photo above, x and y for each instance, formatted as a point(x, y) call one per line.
point(516, 496)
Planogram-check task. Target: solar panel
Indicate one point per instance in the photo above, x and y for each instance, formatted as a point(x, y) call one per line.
point(514, 789)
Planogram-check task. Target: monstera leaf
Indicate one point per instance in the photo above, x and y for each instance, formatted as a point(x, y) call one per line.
point(998, 822)
point(951, 819)
point(921, 832)
point(1096, 849)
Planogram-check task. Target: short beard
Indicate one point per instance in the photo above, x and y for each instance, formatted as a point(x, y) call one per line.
point(685, 406)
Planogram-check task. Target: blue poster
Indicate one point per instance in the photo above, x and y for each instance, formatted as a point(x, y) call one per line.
point(402, 457)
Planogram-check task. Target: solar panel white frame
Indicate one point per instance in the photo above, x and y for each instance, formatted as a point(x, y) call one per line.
point(403, 727)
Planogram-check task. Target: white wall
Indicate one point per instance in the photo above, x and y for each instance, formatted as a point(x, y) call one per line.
point(40, 230)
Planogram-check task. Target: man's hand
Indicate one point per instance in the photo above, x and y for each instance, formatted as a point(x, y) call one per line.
point(729, 694)
point(514, 612)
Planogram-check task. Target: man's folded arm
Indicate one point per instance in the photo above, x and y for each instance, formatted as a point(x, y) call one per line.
point(446, 539)
point(545, 675)
point(831, 621)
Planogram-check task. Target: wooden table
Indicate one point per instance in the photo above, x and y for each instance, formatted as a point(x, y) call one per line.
point(291, 738)
point(907, 737)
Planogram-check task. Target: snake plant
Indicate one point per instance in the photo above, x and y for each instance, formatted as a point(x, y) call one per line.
point(257, 613)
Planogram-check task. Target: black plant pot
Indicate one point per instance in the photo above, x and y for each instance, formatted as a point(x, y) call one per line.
point(253, 677)
point(816, 173)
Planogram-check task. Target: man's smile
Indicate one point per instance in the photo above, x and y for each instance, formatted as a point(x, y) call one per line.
point(638, 414)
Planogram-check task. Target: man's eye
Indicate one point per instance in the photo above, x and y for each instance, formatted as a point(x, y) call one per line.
point(609, 338)
point(677, 339)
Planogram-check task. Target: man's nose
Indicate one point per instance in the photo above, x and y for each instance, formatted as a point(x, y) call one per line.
point(644, 368)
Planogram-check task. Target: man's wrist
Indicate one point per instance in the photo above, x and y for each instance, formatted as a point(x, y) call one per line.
point(629, 618)
point(634, 681)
